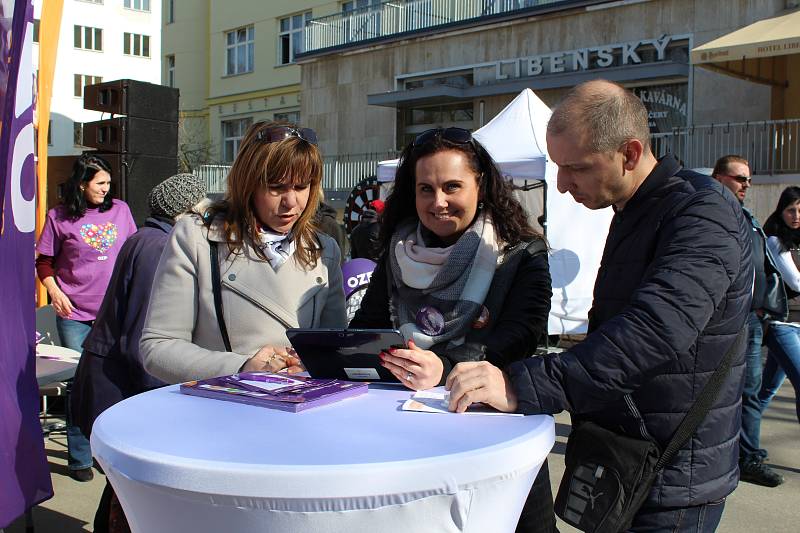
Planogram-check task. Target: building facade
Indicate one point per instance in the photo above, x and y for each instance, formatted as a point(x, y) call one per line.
point(234, 63)
point(99, 40)
point(419, 64)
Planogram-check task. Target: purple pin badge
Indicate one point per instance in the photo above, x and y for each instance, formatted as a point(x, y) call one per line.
point(430, 320)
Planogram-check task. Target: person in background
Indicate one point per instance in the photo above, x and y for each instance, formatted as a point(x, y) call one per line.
point(672, 296)
point(76, 253)
point(325, 221)
point(110, 367)
point(733, 172)
point(462, 274)
point(274, 269)
point(365, 237)
point(783, 338)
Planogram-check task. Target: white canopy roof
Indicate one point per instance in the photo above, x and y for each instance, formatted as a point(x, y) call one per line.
point(516, 140)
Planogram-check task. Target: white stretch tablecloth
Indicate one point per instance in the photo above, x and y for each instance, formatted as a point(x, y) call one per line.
point(183, 463)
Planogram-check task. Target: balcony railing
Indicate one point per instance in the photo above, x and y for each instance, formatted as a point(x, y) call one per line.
point(403, 16)
point(771, 147)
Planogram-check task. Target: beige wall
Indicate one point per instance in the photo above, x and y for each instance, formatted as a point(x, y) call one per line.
point(197, 38)
point(335, 86)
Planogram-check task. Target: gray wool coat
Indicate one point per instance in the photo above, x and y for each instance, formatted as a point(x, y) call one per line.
point(181, 338)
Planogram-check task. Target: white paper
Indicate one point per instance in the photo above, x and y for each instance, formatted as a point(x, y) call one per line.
point(436, 400)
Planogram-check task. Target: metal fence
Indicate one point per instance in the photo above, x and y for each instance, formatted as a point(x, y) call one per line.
point(771, 146)
point(400, 16)
point(338, 173)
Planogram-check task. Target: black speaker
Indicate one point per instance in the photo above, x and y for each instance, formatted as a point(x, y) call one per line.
point(134, 176)
point(132, 135)
point(133, 98)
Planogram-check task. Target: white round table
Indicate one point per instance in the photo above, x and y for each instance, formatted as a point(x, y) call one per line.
point(183, 463)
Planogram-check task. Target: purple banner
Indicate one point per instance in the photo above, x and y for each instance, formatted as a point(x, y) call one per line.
point(356, 273)
point(24, 474)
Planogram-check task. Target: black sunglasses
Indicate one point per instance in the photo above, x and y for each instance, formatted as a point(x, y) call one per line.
point(453, 135)
point(278, 133)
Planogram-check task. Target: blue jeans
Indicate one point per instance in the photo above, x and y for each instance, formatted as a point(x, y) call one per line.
point(783, 342)
point(697, 519)
point(751, 407)
point(72, 333)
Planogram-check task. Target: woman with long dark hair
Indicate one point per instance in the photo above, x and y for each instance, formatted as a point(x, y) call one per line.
point(275, 270)
point(77, 249)
point(462, 274)
point(783, 338)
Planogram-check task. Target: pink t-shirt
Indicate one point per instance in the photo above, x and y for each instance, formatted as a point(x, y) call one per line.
point(85, 251)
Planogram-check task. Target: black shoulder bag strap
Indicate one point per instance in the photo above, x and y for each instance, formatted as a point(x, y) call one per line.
point(701, 406)
point(216, 285)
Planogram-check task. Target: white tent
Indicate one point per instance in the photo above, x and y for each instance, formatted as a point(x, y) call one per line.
point(516, 140)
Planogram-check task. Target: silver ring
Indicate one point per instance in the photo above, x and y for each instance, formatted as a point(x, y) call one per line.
point(409, 376)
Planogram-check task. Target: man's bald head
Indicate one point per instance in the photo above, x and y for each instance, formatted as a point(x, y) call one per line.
point(605, 112)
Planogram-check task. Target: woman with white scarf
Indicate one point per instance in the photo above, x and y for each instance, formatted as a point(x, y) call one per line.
point(462, 274)
point(275, 270)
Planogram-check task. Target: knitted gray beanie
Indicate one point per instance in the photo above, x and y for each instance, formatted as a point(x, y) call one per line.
point(176, 194)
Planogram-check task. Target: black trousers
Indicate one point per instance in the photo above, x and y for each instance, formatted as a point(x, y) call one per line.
point(538, 515)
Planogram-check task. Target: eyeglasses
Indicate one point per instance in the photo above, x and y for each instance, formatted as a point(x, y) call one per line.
point(453, 135)
point(278, 133)
point(741, 179)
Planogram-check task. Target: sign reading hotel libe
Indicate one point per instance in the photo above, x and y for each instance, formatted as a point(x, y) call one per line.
point(590, 58)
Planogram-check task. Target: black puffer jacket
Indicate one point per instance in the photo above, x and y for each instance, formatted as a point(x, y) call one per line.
point(518, 302)
point(672, 293)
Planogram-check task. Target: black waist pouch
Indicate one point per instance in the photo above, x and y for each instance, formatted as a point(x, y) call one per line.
point(607, 479)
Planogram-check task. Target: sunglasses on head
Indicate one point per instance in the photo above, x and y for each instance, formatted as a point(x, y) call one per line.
point(275, 134)
point(453, 135)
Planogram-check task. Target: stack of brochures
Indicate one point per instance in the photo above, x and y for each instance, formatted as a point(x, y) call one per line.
point(276, 391)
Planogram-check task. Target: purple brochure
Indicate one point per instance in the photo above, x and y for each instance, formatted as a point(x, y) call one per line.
point(276, 391)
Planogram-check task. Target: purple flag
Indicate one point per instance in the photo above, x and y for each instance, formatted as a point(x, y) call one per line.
point(24, 475)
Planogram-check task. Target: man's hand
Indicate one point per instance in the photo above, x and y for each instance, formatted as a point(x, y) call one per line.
point(482, 382)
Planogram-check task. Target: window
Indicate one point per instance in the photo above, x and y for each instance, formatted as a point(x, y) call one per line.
point(292, 117)
point(239, 49)
point(82, 80)
point(232, 134)
point(170, 11)
point(360, 4)
point(36, 24)
point(87, 38)
point(134, 44)
point(138, 5)
point(50, 132)
point(170, 71)
point(290, 40)
point(77, 133)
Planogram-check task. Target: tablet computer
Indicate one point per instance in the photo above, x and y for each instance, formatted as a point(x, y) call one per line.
point(350, 354)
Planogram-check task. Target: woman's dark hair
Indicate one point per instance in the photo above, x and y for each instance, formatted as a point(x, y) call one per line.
point(258, 164)
point(83, 171)
point(496, 192)
point(775, 226)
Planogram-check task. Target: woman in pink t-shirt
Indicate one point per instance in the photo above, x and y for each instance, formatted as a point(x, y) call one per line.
point(76, 252)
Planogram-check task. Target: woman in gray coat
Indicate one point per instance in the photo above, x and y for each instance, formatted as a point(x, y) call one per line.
point(276, 270)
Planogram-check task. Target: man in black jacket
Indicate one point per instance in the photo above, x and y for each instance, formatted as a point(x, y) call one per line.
point(671, 296)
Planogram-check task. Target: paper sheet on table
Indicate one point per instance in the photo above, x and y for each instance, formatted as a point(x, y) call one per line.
point(435, 401)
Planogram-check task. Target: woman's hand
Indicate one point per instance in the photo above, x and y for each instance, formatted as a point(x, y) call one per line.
point(272, 359)
point(61, 304)
point(416, 368)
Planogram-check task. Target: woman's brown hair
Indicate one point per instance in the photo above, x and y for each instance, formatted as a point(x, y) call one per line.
point(258, 164)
